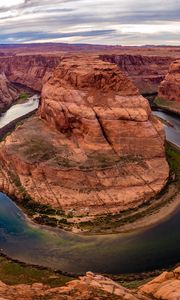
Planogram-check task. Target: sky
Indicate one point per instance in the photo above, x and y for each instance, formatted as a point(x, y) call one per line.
point(107, 22)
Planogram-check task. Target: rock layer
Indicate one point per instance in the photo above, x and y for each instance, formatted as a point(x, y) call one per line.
point(8, 93)
point(169, 88)
point(98, 150)
point(145, 71)
point(29, 70)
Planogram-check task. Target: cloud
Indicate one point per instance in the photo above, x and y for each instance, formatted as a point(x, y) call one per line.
point(107, 22)
point(30, 35)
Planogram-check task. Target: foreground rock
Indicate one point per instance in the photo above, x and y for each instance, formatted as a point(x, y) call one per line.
point(95, 147)
point(8, 93)
point(91, 286)
point(166, 286)
point(86, 288)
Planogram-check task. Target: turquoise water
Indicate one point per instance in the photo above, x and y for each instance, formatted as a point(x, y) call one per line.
point(158, 247)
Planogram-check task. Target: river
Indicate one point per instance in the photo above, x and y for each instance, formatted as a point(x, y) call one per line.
point(172, 126)
point(139, 251)
point(19, 110)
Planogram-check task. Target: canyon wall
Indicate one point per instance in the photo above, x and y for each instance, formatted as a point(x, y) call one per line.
point(29, 70)
point(8, 92)
point(145, 71)
point(169, 88)
point(95, 147)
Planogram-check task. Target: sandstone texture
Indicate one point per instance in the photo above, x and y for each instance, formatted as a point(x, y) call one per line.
point(91, 287)
point(146, 71)
point(29, 70)
point(165, 287)
point(169, 88)
point(8, 93)
point(94, 148)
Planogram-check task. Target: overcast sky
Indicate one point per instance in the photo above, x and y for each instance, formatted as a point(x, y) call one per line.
point(121, 22)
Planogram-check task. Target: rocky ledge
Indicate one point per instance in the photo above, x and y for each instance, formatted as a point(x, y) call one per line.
point(166, 287)
point(8, 92)
point(94, 148)
point(170, 86)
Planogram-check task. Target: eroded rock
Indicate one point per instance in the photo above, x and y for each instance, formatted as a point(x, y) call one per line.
point(29, 70)
point(146, 71)
point(170, 87)
point(8, 92)
point(166, 286)
point(95, 147)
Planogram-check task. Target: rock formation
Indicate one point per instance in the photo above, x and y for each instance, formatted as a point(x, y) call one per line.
point(91, 286)
point(8, 92)
point(87, 288)
point(95, 147)
point(166, 286)
point(145, 71)
point(29, 70)
point(169, 88)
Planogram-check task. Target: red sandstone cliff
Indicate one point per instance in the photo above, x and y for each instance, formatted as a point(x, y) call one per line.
point(145, 71)
point(8, 92)
point(169, 88)
point(29, 70)
point(96, 148)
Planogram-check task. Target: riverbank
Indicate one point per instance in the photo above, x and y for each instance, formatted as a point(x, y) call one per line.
point(167, 105)
point(13, 272)
point(72, 253)
point(148, 214)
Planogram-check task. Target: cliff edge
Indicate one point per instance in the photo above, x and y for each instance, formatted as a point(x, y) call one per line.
point(94, 148)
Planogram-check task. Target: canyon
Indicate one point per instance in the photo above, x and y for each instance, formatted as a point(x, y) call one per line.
point(94, 147)
point(92, 150)
point(145, 71)
point(28, 70)
point(31, 65)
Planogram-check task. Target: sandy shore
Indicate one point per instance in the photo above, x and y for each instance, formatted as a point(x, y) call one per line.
point(142, 218)
point(156, 217)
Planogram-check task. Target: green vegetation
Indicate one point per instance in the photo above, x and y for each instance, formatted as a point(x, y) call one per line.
point(162, 102)
point(39, 150)
point(133, 281)
point(173, 157)
point(23, 96)
point(170, 105)
point(13, 273)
